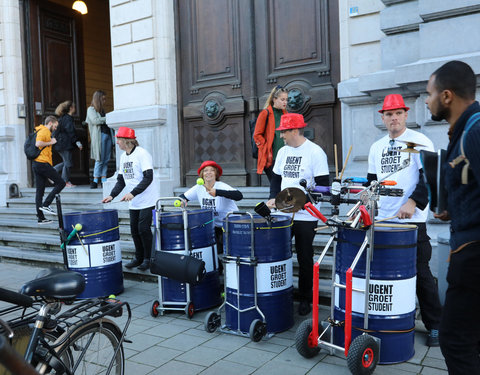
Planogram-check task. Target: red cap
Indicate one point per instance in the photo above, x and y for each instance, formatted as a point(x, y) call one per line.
point(393, 101)
point(291, 121)
point(124, 132)
point(210, 163)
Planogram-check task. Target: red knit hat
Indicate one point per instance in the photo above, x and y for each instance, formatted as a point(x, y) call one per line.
point(291, 121)
point(210, 163)
point(393, 101)
point(124, 132)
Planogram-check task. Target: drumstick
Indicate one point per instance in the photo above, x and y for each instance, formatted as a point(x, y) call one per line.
point(81, 243)
point(321, 228)
point(336, 161)
point(387, 218)
point(396, 225)
point(346, 161)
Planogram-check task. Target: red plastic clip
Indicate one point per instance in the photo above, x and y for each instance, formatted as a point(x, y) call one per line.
point(312, 210)
point(367, 221)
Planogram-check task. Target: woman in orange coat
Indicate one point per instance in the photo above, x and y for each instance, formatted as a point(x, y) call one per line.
point(267, 139)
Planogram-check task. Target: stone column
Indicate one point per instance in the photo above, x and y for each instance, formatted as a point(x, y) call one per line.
point(144, 83)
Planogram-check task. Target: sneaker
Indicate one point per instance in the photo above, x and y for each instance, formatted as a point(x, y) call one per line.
point(432, 339)
point(93, 185)
point(304, 308)
point(48, 210)
point(133, 263)
point(145, 265)
point(70, 185)
point(44, 221)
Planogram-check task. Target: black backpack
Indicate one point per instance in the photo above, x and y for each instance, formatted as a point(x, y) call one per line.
point(29, 147)
point(252, 124)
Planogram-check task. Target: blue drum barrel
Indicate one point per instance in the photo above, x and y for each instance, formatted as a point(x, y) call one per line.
point(201, 236)
point(391, 304)
point(98, 256)
point(274, 272)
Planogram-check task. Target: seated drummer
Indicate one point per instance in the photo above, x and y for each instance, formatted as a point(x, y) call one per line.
point(214, 195)
point(384, 158)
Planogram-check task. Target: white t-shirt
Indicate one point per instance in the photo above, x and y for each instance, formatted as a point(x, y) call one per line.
point(132, 167)
point(221, 206)
point(303, 162)
point(384, 158)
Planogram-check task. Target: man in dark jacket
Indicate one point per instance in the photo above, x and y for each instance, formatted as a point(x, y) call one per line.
point(451, 97)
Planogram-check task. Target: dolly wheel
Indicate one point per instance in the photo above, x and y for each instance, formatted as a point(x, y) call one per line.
point(305, 347)
point(190, 310)
point(363, 355)
point(211, 322)
point(257, 330)
point(154, 311)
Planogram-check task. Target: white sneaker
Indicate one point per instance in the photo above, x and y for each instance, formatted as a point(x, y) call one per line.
point(44, 221)
point(48, 210)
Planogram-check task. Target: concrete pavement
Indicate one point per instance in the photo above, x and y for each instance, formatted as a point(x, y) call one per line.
point(173, 344)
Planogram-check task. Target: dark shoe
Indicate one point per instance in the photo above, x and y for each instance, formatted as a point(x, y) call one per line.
point(304, 308)
point(93, 185)
point(48, 210)
point(432, 339)
point(44, 221)
point(145, 265)
point(133, 263)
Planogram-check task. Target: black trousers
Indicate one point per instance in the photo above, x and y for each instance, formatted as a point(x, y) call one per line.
point(42, 172)
point(427, 290)
point(304, 232)
point(140, 223)
point(460, 326)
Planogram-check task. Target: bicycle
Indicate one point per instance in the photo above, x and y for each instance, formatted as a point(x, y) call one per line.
point(80, 340)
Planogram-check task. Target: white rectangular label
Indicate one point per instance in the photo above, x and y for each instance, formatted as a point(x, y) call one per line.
point(271, 277)
point(103, 254)
point(387, 297)
point(208, 255)
point(77, 256)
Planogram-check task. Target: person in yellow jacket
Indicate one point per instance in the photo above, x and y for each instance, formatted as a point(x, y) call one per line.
point(266, 138)
point(43, 169)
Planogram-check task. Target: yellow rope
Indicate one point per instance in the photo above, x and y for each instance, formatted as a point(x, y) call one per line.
point(105, 231)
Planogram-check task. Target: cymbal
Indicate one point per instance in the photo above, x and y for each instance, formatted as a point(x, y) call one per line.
point(290, 200)
point(411, 144)
point(411, 150)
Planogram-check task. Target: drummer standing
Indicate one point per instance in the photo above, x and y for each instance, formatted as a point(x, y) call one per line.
point(384, 158)
point(299, 159)
point(451, 97)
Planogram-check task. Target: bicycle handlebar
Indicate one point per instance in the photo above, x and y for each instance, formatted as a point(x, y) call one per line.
point(15, 298)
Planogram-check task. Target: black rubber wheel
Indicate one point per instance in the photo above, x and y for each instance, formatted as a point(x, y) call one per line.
point(362, 356)
point(153, 310)
point(257, 330)
point(190, 310)
point(211, 322)
point(304, 346)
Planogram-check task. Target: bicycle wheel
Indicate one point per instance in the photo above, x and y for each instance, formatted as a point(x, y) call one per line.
point(90, 349)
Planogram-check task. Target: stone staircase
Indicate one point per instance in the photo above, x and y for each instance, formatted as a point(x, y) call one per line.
point(22, 240)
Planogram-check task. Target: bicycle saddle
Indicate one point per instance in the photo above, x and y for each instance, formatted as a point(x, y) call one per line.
point(55, 283)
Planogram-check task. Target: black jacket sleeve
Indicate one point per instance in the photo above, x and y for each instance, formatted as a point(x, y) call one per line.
point(420, 194)
point(183, 197)
point(146, 181)
point(117, 189)
point(234, 195)
point(275, 185)
point(322, 180)
point(370, 177)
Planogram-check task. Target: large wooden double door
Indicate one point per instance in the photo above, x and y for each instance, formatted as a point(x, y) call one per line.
point(231, 54)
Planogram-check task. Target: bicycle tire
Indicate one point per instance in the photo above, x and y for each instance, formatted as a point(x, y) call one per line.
point(105, 337)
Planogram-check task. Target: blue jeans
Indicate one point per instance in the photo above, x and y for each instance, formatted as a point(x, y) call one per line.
point(101, 166)
point(65, 165)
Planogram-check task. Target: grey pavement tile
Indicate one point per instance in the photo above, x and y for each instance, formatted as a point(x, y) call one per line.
point(267, 345)
point(420, 351)
point(281, 341)
point(228, 368)
point(289, 335)
point(435, 363)
point(188, 323)
point(155, 356)
point(227, 342)
point(183, 342)
point(253, 357)
point(203, 356)
point(179, 368)
point(435, 353)
point(396, 370)
point(166, 330)
point(142, 341)
point(404, 366)
point(327, 368)
point(138, 368)
point(291, 356)
point(138, 298)
point(279, 368)
point(200, 332)
point(433, 371)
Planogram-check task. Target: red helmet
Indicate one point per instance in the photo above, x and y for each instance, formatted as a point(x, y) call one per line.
point(291, 121)
point(393, 101)
point(210, 163)
point(124, 132)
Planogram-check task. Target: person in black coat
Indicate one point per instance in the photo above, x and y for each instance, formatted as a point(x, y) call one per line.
point(66, 139)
